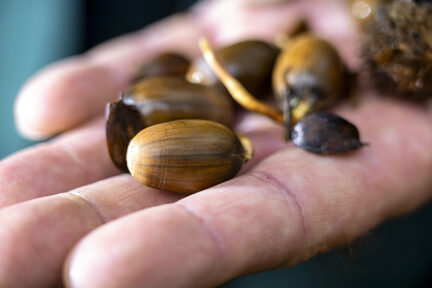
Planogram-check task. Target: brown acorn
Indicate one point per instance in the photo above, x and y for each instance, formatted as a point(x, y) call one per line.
point(397, 49)
point(165, 98)
point(251, 62)
point(164, 64)
point(326, 133)
point(309, 75)
point(186, 156)
point(123, 122)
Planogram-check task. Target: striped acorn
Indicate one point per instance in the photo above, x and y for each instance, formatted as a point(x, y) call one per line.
point(165, 98)
point(186, 156)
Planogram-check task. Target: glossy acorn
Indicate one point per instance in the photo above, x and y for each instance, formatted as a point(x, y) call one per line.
point(186, 156)
point(309, 75)
point(164, 64)
point(164, 98)
point(326, 133)
point(250, 61)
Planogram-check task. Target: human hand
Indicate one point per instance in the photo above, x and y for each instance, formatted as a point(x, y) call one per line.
point(286, 206)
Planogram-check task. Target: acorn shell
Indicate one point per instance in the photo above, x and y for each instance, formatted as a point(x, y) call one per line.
point(165, 98)
point(186, 156)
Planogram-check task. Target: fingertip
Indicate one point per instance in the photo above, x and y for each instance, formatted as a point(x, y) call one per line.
point(52, 101)
point(74, 270)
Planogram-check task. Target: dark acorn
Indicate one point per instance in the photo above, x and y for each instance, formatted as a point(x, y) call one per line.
point(397, 49)
point(251, 62)
point(123, 122)
point(165, 64)
point(326, 133)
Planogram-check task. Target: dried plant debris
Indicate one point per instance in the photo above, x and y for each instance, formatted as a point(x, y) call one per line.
point(326, 133)
point(397, 49)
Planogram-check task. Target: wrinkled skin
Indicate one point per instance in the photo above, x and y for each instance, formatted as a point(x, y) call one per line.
point(67, 213)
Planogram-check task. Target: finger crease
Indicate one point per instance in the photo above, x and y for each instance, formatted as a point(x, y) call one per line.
point(76, 195)
point(287, 193)
point(73, 156)
point(209, 231)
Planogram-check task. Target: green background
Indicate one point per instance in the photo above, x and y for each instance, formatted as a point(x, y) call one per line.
point(34, 33)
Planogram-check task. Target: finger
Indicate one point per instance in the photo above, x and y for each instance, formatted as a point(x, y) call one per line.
point(75, 159)
point(71, 91)
point(288, 208)
point(46, 229)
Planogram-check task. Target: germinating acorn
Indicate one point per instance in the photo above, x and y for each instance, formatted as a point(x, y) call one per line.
point(309, 75)
point(334, 134)
point(250, 61)
point(186, 156)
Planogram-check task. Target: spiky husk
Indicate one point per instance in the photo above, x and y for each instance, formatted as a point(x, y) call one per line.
point(397, 49)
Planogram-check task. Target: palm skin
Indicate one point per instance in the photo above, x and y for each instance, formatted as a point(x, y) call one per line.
point(73, 217)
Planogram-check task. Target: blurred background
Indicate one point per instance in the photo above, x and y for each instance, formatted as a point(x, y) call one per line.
point(34, 33)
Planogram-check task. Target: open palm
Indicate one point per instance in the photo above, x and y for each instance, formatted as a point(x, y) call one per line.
point(64, 208)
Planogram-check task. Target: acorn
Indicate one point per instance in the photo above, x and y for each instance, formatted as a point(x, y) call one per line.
point(186, 156)
point(309, 75)
point(160, 99)
point(249, 61)
point(164, 64)
point(326, 133)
